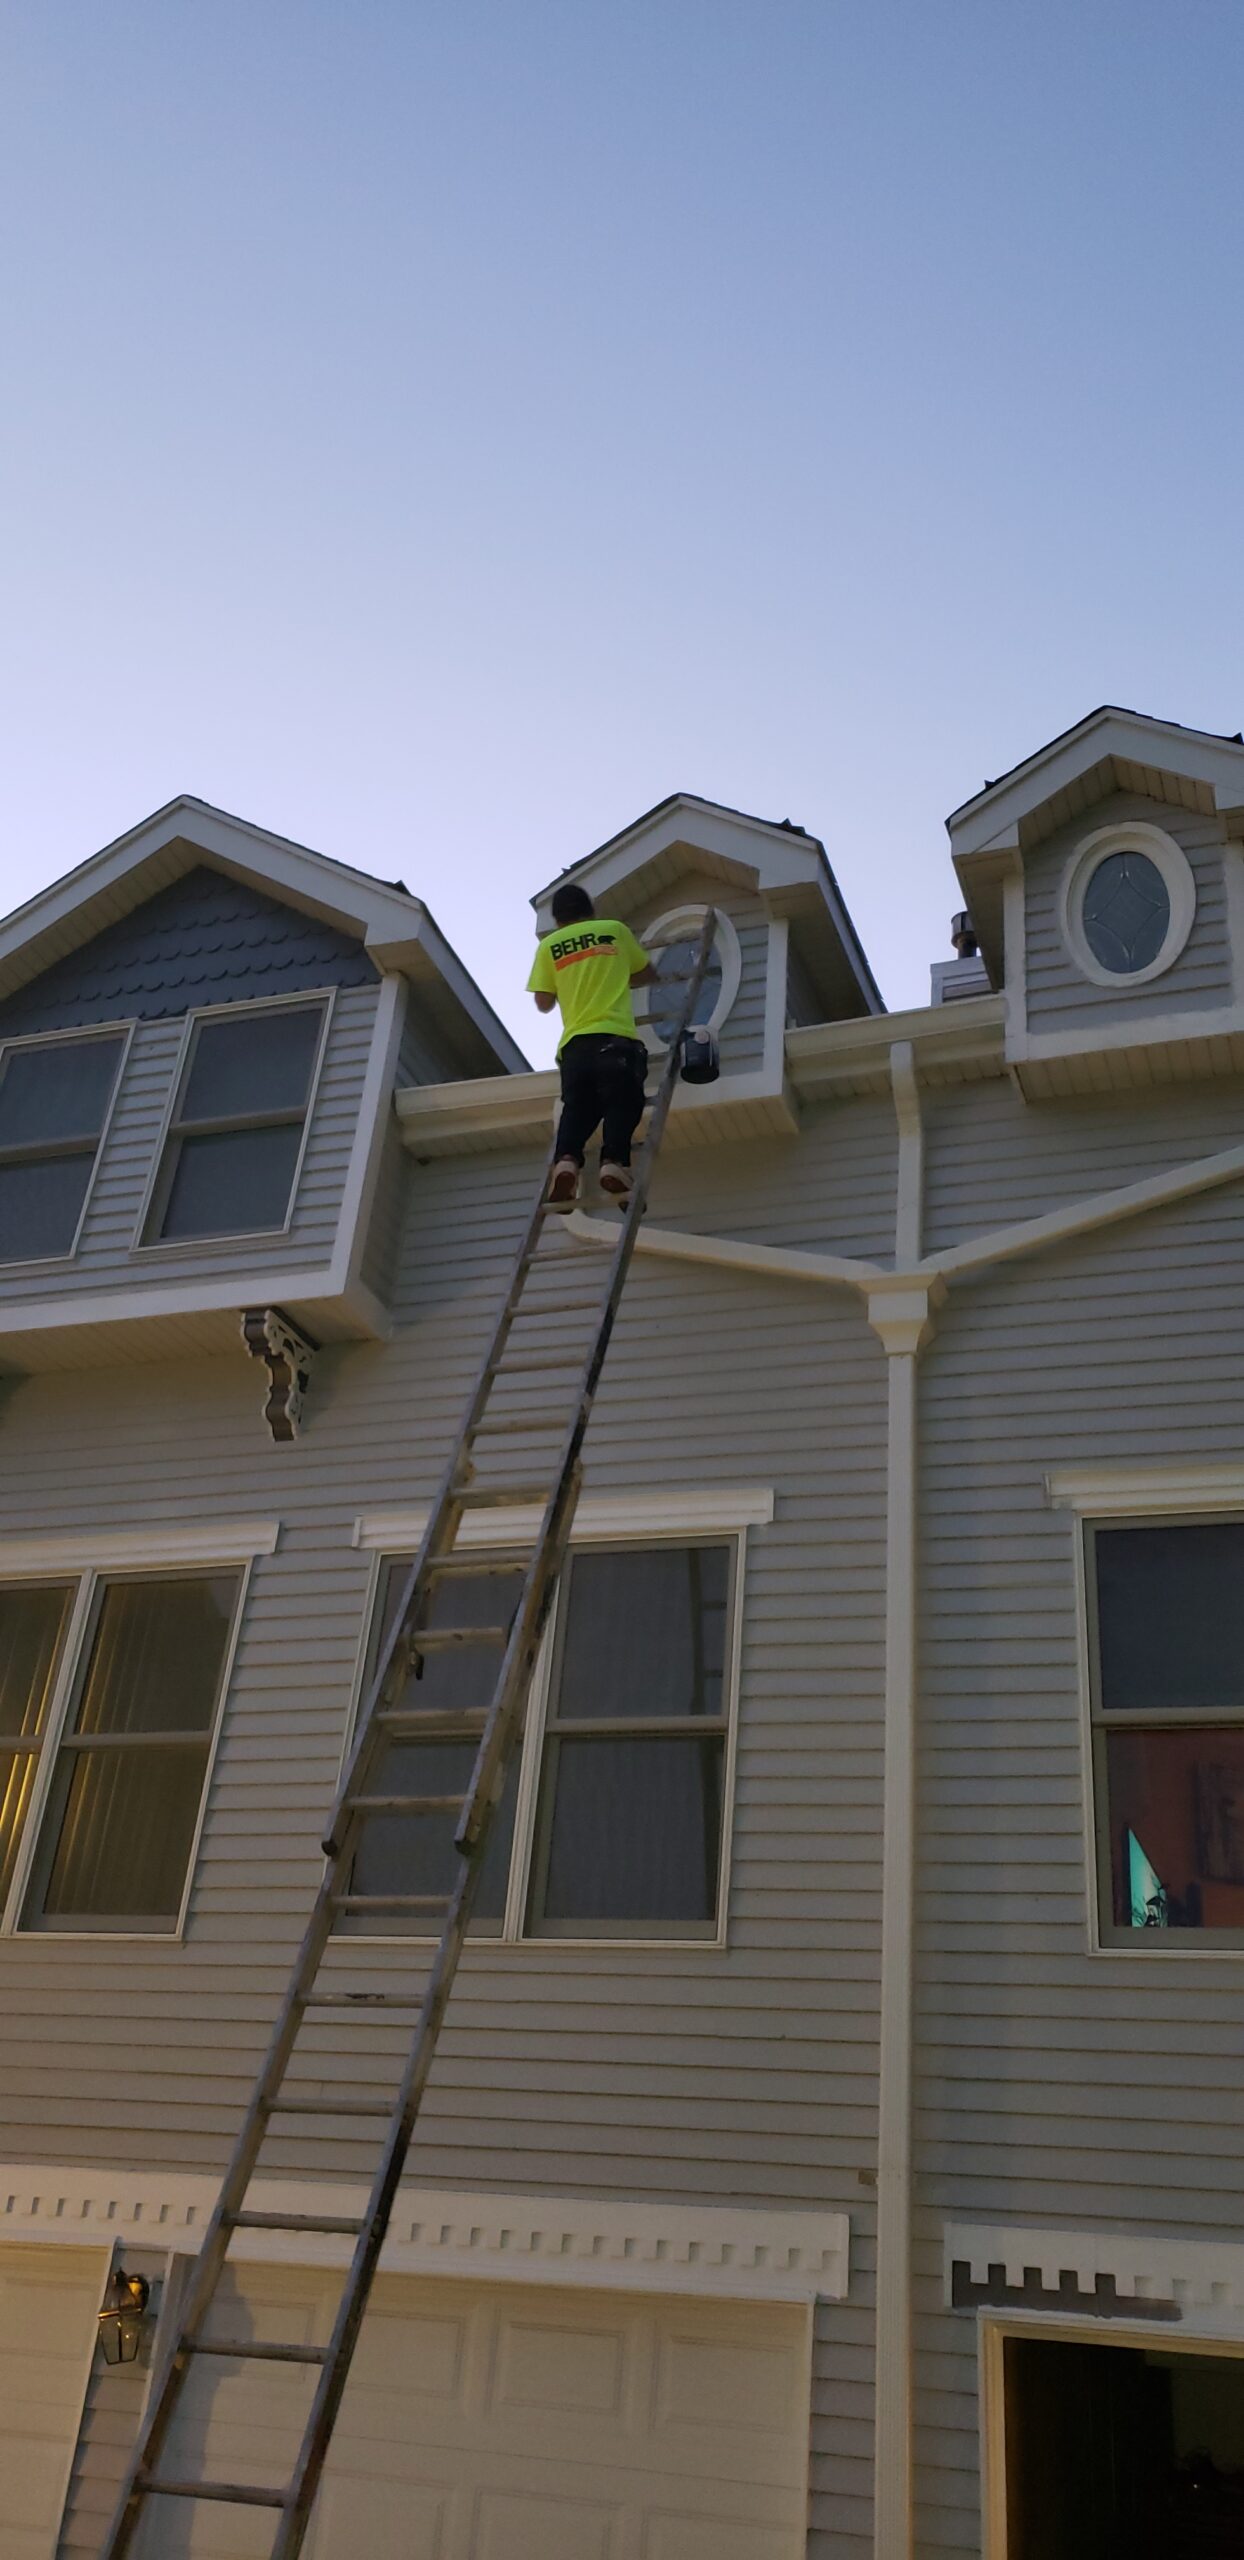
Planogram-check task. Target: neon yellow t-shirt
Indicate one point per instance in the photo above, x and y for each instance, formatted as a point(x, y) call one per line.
point(589, 966)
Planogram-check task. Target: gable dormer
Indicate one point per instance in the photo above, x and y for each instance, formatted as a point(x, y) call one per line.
point(785, 952)
point(1105, 880)
point(201, 1031)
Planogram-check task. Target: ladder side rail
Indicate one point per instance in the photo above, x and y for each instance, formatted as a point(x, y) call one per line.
point(496, 1738)
point(495, 1750)
point(339, 1845)
point(438, 1537)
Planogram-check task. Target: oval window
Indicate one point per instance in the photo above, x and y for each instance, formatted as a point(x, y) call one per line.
point(673, 963)
point(1125, 915)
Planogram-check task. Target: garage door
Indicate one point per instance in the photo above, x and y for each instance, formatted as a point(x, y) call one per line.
point(519, 2423)
point(49, 2304)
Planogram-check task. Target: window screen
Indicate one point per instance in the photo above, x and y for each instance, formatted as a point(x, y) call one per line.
point(32, 1628)
point(54, 1100)
point(414, 1853)
point(1168, 1717)
point(236, 1134)
point(629, 1823)
point(123, 1807)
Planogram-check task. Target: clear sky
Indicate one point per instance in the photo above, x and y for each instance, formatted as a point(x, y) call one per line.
point(437, 429)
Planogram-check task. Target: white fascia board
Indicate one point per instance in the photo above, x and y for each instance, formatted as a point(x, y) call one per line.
point(112, 1550)
point(741, 2253)
point(1151, 1029)
point(102, 1307)
point(1192, 754)
point(699, 1511)
point(1138, 1493)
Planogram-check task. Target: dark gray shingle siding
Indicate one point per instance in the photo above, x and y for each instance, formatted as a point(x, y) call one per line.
point(206, 939)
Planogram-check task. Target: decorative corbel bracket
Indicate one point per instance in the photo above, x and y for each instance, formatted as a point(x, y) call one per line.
point(901, 1310)
point(270, 1336)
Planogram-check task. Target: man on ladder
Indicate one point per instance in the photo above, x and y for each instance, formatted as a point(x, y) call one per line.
point(588, 965)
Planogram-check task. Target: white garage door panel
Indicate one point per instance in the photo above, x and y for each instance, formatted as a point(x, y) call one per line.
point(517, 2423)
point(49, 2303)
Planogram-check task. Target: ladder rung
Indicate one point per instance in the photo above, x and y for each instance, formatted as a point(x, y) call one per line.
point(357, 2000)
point(233, 2493)
point(441, 1639)
point(537, 1364)
point(264, 2351)
point(404, 1804)
point(556, 1307)
point(390, 1903)
point(446, 1724)
point(488, 1497)
point(332, 2106)
point(344, 2223)
point(516, 1422)
point(495, 1561)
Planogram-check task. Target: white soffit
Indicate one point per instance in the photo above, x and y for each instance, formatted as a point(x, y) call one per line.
point(699, 1512)
point(993, 816)
point(741, 2253)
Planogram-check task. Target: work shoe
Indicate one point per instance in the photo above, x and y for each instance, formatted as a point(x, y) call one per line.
point(563, 1190)
point(617, 1180)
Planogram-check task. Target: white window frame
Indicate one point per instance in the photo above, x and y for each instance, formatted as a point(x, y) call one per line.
point(124, 1031)
point(183, 1245)
point(1169, 859)
point(714, 1522)
point(135, 1556)
point(1112, 1497)
point(685, 924)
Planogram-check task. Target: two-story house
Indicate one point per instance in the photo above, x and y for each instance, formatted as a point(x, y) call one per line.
point(833, 2148)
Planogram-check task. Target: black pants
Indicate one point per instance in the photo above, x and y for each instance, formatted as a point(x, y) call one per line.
point(602, 1079)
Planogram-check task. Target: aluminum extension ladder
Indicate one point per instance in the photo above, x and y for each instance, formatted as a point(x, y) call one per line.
point(498, 1729)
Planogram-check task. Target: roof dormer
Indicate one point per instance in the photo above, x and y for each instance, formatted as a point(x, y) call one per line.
point(1105, 879)
point(786, 951)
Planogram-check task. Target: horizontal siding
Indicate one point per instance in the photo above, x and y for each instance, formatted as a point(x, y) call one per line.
point(106, 1259)
point(1059, 998)
point(743, 1032)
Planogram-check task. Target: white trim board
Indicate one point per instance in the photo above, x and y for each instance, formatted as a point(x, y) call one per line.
point(1137, 1493)
point(107, 1550)
point(698, 1512)
point(767, 2254)
point(1204, 2277)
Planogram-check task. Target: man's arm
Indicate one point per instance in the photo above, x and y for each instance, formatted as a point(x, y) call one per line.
point(545, 1002)
point(645, 977)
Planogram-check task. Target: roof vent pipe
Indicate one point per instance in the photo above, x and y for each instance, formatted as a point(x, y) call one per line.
point(963, 939)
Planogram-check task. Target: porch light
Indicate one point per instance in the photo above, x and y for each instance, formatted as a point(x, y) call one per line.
point(122, 2317)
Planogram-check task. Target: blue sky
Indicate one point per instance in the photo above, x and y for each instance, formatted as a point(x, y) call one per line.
point(437, 432)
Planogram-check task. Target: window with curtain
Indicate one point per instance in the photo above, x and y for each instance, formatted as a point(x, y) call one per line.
point(121, 1812)
point(630, 1812)
point(235, 1137)
point(1167, 1690)
point(33, 1620)
point(614, 1811)
point(55, 1096)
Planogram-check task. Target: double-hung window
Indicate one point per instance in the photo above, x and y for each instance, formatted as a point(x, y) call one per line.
point(110, 1695)
point(614, 1819)
point(1166, 1641)
point(235, 1138)
point(55, 1097)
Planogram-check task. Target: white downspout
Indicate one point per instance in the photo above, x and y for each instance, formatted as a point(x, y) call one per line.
point(900, 1312)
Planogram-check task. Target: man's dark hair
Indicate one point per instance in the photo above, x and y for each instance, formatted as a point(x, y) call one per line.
point(571, 904)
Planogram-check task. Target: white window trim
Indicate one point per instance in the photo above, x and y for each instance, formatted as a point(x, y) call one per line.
point(697, 1511)
point(178, 1247)
point(1169, 859)
point(137, 1553)
point(641, 1530)
point(1214, 1487)
point(681, 924)
point(36, 1264)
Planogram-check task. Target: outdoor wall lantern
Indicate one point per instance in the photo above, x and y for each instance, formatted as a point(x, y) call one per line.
point(122, 2317)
